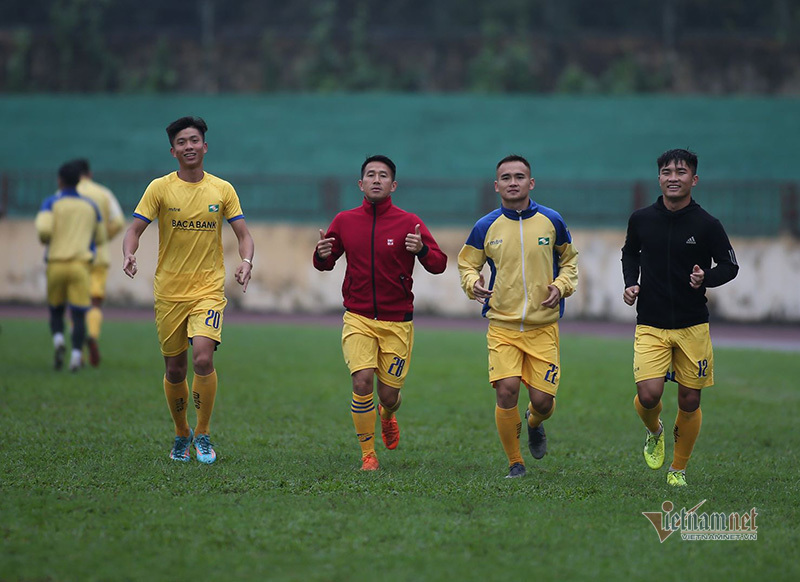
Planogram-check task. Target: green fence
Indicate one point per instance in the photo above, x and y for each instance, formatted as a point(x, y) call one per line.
point(762, 208)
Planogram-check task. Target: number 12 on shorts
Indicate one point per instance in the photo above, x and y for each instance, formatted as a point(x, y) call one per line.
point(702, 368)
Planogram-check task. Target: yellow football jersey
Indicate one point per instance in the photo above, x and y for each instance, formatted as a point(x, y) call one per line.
point(190, 258)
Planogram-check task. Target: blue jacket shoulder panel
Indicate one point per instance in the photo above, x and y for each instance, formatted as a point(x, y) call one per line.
point(478, 235)
point(47, 205)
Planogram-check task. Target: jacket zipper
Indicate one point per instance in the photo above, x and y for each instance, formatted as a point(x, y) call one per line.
point(669, 283)
point(374, 287)
point(524, 281)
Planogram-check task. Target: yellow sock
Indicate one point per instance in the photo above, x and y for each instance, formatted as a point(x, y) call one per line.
point(650, 416)
point(363, 411)
point(386, 412)
point(178, 402)
point(509, 426)
point(687, 428)
point(535, 418)
point(204, 391)
point(94, 320)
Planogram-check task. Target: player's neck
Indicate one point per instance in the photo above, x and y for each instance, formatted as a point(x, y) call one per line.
point(516, 205)
point(673, 205)
point(191, 174)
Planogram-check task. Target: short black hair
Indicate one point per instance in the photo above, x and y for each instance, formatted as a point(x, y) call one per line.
point(678, 155)
point(83, 164)
point(70, 174)
point(383, 160)
point(513, 158)
point(179, 125)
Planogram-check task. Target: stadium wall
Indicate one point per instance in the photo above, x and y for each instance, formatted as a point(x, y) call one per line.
point(285, 281)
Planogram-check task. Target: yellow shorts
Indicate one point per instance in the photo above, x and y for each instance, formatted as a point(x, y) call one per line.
point(97, 287)
point(687, 351)
point(68, 282)
point(532, 355)
point(383, 345)
point(177, 321)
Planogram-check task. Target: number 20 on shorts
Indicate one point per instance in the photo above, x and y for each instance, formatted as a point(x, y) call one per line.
point(213, 319)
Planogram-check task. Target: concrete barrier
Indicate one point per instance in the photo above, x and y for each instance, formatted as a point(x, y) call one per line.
point(284, 280)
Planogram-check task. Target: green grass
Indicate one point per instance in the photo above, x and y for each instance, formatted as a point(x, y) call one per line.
point(87, 491)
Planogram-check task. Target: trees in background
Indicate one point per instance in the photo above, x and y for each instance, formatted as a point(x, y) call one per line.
point(527, 46)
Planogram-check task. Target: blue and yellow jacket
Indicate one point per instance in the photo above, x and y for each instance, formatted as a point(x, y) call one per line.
point(70, 225)
point(527, 250)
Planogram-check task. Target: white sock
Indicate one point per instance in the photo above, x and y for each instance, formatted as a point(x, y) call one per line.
point(58, 340)
point(75, 359)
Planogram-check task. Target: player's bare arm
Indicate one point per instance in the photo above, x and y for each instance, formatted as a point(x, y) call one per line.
point(130, 244)
point(324, 245)
point(414, 241)
point(246, 252)
point(630, 294)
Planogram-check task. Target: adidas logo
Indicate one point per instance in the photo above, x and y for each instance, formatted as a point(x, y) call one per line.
point(691, 241)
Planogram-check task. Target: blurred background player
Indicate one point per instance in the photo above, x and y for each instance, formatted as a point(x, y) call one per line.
point(70, 225)
point(189, 285)
point(381, 243)
point(113, 219)
point(671, 244)
point(534, 266)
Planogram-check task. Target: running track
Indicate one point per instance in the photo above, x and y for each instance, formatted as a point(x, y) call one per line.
point(723, 334)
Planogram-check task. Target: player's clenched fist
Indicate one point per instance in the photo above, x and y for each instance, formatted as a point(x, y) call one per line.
point(630, 294)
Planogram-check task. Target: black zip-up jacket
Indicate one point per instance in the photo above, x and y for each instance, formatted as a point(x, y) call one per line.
point(664, 246)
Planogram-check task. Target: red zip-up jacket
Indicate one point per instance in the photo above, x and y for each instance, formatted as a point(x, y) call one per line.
point(377, 283)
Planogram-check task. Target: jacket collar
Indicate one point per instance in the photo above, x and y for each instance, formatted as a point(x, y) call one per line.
point(688, 208)
point(381, 207)
point(532, 209)
point(68, 192)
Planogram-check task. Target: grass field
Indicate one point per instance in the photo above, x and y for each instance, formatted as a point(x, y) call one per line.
point(87, 491)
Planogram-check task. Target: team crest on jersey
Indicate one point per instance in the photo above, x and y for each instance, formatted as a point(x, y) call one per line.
point(213, 207)
point(544, 240)
point(389, 242)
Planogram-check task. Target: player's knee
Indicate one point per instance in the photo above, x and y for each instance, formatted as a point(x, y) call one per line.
point(649, 400)
point(175, 375)
point(650, 392)
point(542, 402)
point(507, 392)
point(389, 398)
point(689, 400)
point(363, 384)
point(203, 363)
